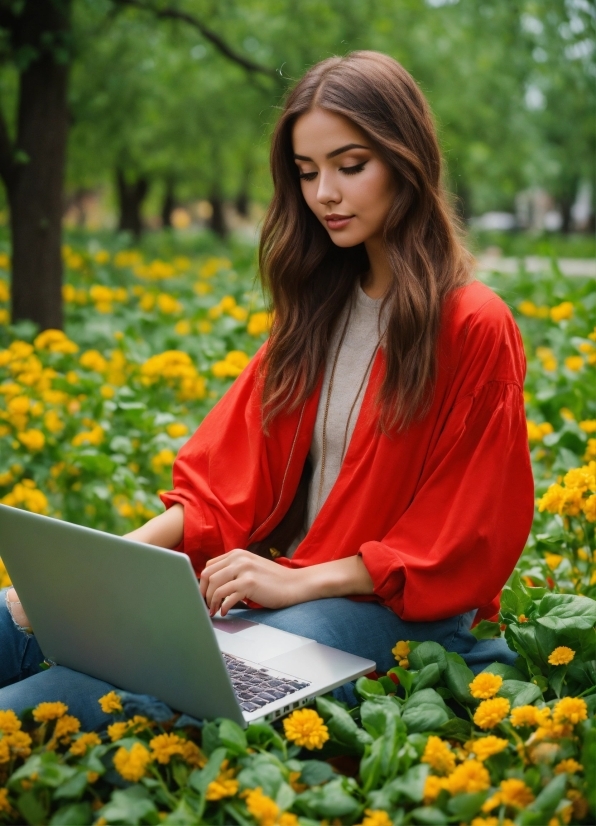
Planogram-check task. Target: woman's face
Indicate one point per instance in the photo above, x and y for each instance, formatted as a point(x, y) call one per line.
point(344, 182)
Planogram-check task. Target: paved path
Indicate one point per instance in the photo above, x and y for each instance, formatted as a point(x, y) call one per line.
point(534, 263)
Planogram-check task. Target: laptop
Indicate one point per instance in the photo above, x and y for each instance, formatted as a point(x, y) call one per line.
point(133, 615)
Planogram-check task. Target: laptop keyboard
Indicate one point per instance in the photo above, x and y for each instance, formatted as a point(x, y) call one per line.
point(255, 687)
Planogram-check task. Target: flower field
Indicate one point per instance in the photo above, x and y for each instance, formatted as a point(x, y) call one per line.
point(90, 423)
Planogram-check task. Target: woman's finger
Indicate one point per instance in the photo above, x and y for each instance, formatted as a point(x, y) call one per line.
point(229, 592)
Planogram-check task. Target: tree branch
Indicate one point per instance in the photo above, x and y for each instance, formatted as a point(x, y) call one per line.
point(227, 51)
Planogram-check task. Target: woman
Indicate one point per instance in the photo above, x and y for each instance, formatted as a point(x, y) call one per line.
point(367, 478)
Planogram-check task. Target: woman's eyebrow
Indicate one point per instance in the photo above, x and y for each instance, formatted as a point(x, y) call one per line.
point(334, 153)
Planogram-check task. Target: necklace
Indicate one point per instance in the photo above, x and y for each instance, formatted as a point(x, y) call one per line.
point(328, 401)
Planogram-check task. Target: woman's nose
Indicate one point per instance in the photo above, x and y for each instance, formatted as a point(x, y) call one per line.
point(328, 191)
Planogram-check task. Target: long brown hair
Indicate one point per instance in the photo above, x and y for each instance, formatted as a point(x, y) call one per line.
point(310, 279)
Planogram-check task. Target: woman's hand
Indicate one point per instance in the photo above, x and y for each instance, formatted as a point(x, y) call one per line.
point(16, 609)
point(240, 575)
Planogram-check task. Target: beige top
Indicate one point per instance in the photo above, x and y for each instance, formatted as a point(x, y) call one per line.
point(353, 365)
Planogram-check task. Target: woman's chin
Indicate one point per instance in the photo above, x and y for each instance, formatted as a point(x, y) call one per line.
point(345, 240)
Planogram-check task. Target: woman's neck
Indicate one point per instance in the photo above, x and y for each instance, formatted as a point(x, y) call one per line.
point(376, 281)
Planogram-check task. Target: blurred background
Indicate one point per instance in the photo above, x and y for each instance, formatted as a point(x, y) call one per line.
point(136, 115)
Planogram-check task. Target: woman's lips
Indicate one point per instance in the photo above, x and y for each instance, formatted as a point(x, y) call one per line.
point(338, 221)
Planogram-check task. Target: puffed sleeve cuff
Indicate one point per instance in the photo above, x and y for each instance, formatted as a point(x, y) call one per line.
point(387, 572)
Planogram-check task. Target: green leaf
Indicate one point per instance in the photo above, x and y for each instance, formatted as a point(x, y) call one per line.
point(425, 717)
point(183, 815)
point(388, 685)
point(263, 734)
point(200, 778)
point(427, 695)
point(465, 806)
point(406, 678)
point(32, 808)
point(368, 688)
point(458, 678)
point(547, 800)
point(566, 611)
point(331, 800)
point(315, 773)
point(233, 737)
point(262, 772)
point(374, 714)
point(486, 630)
point(73, 815)
point(457, 729)
point(341, 726)
point(519, 693)
point(129, 806)
point(428, 676)
point(430, 815)
point(427, 653)
point(73, 787)
point(507, 672)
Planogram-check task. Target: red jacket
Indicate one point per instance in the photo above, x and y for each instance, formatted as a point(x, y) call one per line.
point(439, 513)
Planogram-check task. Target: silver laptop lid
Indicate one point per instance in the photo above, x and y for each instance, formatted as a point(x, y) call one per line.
point(125, 612)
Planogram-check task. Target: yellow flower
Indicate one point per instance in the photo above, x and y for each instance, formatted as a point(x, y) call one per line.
point(515, 793)
point(204, 326)
point(490, 712)
point(376, 817)
point(65, 726)
point(574, 363)
point(4, 751)
point(231, 367)
point(18, 742)
point(485, 747)
point(117, 731)
point(176, 430)
point(165, 746)
point(264, 810)
point(287, 819)
point(110, 702)
point(588, 425)
point(224, 784)
point(590, 504)
point(94, 436)
point(438, 755)
point(259, 323)
point(561, 655)
point(182, 327)
point(305, 728)
point(53, 422)
point(485, 685)
point(432, 788)
point(193, 755)
point(562, 312)
point(239, 313)
point(401, 650)
point(32, 439)
point(537, 432)
point(131, 765)
point(570, 766)
point(468, 777)
point(553, 560)
point(163, 459)
point(44, 712)
point(55, 341)
point(9, 722)
point(570, 710)
point(492, 821)
point(528, 716)
point(93, 360)
point(4, 804)
point(84, 742)
point(107, 392)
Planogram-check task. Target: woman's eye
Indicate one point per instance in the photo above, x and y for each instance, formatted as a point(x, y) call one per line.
point(353, 170)
point(307, 176)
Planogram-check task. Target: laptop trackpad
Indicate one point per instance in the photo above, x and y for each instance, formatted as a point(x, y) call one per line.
point(253, 640)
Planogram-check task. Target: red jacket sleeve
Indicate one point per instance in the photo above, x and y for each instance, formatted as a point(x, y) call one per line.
point(462, 535)
point(219, 471)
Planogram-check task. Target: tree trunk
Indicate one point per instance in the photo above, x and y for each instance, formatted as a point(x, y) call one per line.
point(217, 222)
point(168, 206)
point(35, 173)
point(131, 195)
point(242, 203)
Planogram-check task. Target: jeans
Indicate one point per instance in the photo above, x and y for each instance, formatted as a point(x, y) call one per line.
point(366, 629)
